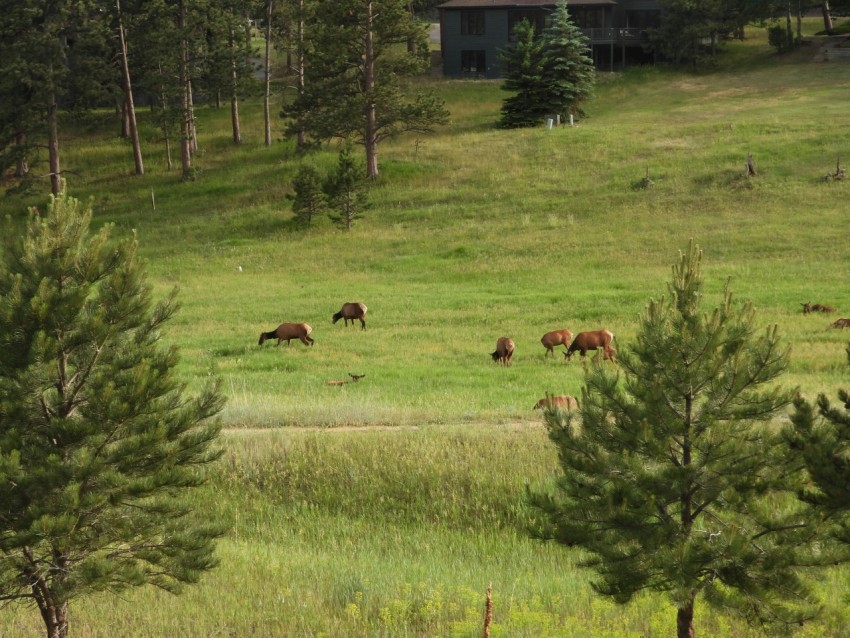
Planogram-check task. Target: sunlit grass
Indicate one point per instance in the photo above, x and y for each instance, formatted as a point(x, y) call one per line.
point(473, 233)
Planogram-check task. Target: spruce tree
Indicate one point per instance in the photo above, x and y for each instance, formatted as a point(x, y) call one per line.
point(346, 190)
point(666, 479)
point(99, 443)
point(522, 69)
point(309, 200)
point(568, 72)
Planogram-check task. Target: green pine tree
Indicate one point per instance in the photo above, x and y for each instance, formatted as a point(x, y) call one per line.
point(820, 439)
point(309, 200)
point(665, 480)
point(346, 190)
point(99, 443)
point(568, 72)
point(522, 69)
point(360, 54)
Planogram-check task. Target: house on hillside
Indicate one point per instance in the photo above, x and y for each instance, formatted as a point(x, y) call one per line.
point(473, 31)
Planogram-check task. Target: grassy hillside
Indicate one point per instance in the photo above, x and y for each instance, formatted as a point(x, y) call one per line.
point(473, 233)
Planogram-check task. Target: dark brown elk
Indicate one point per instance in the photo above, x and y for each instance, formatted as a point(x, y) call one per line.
point(504, 351)
point(562, 401)
point(351, 311)
point(816, 307)
point(594, 340)
point(841, 323)
point(556, 338)
point(287, 332)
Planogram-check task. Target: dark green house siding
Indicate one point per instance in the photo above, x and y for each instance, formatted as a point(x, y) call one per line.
point(455, 43)
point(616, 29)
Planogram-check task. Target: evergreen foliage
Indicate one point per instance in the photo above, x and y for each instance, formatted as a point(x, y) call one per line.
point(820, 436)
point(346, 190)
point(668, 477)
point(309, 200)
point(98, 442)
point(551, 75)
point(568, 72)
point(522, 69)
point(358, 58)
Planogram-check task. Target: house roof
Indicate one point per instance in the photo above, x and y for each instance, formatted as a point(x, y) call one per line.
point(517, 4)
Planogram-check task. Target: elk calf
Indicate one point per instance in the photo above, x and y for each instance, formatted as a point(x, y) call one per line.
point(287, 332)
point(504, 351)
point(841, 323)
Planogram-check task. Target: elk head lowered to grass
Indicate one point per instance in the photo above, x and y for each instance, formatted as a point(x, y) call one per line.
point(287, 332)
point(504, 351)
point(592, 340)
point(556, 338)
point(351, 311)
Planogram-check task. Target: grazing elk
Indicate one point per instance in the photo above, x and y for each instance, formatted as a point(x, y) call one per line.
point(562, 401)
point(287, 332)
point(504, 351)
point(841, 323)
point(594, 340)
point(816, 307)
point(351, 311)
point(556, 338)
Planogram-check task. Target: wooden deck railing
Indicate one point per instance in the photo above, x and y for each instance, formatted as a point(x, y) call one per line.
point(617, 35)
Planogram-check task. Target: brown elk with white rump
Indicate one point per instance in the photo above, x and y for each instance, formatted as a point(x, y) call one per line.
point(594, 340)
point(556, 338)
point(562, 401)
point(287, 332)
point(351, 311)
point(816, 307)
point(504, 351)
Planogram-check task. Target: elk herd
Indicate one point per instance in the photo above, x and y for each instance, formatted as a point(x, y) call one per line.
point(505, 346)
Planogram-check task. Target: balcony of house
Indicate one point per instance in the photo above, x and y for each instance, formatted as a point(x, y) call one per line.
point(616, 35)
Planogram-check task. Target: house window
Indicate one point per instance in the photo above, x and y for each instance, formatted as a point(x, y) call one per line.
point(472, 23)
point(472, 62)
point(588, 18)
point(643, 19)
point(535, 18)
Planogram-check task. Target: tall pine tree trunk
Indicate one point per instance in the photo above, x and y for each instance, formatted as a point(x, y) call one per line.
point(22, 169)
point(186, 121)
point(167, 135)
point(827, 18)
point(371, 136)
point(267, 91)
point(234, 97)
point(193, 131)
point(53, 138)
point(301, 137)
point(130, 108)
point(789, 33)
point(411, 43)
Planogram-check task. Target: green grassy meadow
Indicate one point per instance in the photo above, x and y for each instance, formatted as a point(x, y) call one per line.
point(386, 507)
